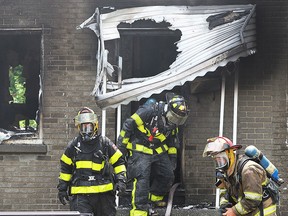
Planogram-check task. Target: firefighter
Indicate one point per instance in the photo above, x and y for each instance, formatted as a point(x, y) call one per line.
point(92, 168)
point(149, 139)
point(243, 186)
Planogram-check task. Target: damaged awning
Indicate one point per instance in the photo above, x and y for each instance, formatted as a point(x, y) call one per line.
point(211, 37)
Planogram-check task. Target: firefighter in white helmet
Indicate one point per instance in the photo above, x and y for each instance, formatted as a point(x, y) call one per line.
point(92, 168)
point(243, 183)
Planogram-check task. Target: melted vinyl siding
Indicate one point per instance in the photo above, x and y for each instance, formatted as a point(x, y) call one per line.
point(200, 49)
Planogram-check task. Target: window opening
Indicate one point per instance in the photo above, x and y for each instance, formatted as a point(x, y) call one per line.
point(20, 57)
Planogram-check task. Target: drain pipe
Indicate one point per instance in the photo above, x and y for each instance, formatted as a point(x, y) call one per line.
point(235, 116)
point(235, 110)
point(222, 106)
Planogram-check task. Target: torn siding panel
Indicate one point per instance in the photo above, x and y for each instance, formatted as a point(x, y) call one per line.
point(203, 46)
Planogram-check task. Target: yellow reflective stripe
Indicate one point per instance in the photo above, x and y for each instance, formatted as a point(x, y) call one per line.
point(65, 176)
point(122, 133)
point(222, 191)
point(135, 212)
point(115, 157)
point(119, 169)
point(159, 150)
point(266, 182)
point(155, 198)
point(240, 209)
point(137, 119)
point(267, 211)
point(66, 160)
point(133, 197)
point(172, 150)
point(146, 150)
point(89, 165)
point(223, 201)
point(140, 148)
point(160, 136)
point(91, 189)
point(125, 141)
point(140, 124)
point(253, 196)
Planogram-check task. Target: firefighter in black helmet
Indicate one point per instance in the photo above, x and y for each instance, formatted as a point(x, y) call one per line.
point(92, 168)
point(149, 138)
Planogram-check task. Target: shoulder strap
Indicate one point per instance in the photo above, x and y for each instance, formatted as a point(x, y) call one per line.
point(240, 166)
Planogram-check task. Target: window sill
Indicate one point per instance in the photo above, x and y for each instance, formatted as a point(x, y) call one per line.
point(34, 146)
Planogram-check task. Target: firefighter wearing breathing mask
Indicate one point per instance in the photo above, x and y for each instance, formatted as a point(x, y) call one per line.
point(92, 169)
point(242, 185)
point(149, 139)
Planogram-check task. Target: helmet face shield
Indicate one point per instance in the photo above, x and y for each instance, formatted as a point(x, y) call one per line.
point(213, 148)
point(218, 144)
point(175, 118)
point(221, 161)
point(85, 118)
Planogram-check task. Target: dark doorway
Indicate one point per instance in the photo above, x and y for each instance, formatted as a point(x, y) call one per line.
point(147, 49)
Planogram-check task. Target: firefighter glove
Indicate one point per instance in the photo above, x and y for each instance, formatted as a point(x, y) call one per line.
point(121, 187)
point(222, 208)
point(63, 197)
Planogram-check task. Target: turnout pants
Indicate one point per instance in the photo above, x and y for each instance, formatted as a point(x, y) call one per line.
point(151, 174)
point(100, 204)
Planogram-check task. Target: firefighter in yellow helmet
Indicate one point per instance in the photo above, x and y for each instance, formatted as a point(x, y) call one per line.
point(150, 140)
point(242, 182)
point(92, 168)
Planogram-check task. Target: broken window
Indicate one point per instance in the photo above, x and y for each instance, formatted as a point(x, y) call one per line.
point(147, 48)
point(20, 57)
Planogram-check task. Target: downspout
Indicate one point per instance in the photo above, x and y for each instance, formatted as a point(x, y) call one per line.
point(104, 89)
point(235, 116)
point(118, 123)
point(235, 111)
point(118, 120)
point(222, 106)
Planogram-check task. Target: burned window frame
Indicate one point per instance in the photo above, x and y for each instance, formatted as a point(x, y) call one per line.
point(37, 136)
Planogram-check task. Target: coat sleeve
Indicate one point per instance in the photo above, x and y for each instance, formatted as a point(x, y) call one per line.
point(66, 166)
point(253, 177)
point(173, 143)
point(115, 158)
point(132, 125)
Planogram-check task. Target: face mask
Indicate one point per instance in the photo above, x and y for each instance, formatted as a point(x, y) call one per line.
point(221, 161)
point(86, 130)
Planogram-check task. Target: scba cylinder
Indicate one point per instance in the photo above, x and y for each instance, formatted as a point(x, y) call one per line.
point(253, 152)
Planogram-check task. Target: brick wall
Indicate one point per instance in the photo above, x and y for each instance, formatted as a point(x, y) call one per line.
point(28, 181)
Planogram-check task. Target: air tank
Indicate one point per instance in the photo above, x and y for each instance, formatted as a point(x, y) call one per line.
point(252, 151)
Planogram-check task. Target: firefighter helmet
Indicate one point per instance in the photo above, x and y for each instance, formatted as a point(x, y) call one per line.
point(87, 123)
point(221, 149)
point(177, 112)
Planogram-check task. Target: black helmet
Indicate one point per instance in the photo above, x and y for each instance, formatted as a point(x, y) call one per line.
point(177, 112)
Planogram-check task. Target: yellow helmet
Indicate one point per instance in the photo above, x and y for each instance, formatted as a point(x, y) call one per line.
point(87, 123)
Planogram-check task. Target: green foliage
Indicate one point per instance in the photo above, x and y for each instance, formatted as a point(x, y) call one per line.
point(17, 87)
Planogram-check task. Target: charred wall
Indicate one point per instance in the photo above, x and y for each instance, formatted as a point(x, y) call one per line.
point(28, 180)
